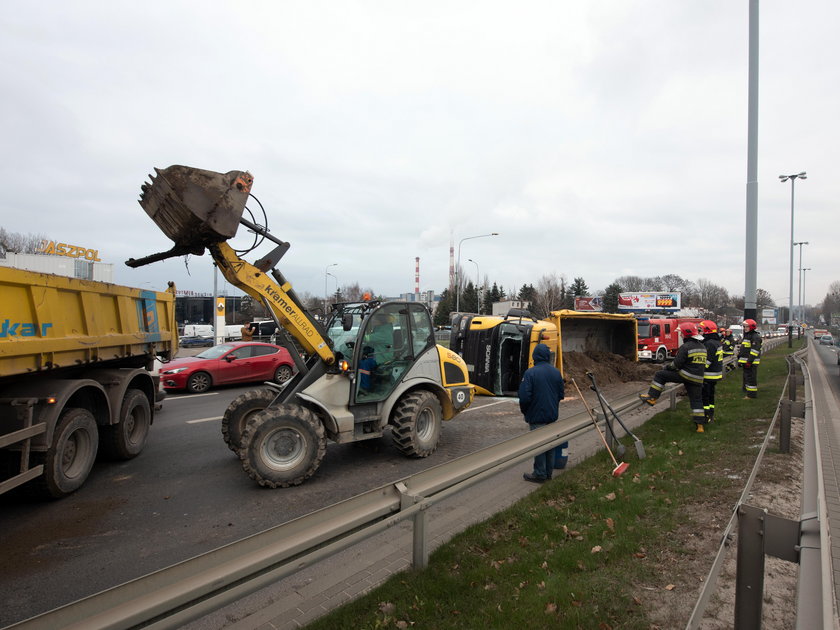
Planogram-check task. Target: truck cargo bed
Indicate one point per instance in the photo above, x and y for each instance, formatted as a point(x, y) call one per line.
point(50, 322)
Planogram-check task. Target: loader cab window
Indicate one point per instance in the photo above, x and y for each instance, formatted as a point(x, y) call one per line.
point(385, 354)
point(345, 340)
point(422, 333)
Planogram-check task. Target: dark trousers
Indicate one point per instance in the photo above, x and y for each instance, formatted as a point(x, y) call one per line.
point(694, 391)
point(708, 393)
point(544, 462)
point(751, 380)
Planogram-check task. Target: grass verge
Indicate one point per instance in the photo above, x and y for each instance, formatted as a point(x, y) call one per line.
point(576, 552)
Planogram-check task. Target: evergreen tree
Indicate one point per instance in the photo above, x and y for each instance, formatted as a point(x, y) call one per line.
point(445, 306)
point(610, 299)
point(579, 288)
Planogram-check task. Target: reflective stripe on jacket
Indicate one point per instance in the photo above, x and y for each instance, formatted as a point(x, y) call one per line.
point(690, 360)
point(750, 351)
point(714, 358)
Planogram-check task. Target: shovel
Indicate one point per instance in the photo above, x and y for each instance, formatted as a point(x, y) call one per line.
point(640, 447)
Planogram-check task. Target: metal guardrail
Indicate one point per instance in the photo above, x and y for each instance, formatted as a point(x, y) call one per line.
point(187, 591)
point(805, 541)
point(191, 589)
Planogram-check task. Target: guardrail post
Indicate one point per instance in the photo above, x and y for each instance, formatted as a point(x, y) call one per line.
point(784, 426)
point(792, 383)
point(419, 545)
point(673, 398)
point(420, 548)
point(749, 579)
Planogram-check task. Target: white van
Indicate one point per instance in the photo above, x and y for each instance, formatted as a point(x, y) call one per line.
point(197, 330)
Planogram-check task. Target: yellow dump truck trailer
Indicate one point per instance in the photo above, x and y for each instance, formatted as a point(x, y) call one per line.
point(498, 350)
point(76, 375)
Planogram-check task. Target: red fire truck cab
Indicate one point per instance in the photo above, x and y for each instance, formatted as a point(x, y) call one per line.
point(659, 338)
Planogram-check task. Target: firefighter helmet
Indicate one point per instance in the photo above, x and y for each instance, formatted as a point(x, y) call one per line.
point(688, 329)
point(707, 327)
point(749, 324)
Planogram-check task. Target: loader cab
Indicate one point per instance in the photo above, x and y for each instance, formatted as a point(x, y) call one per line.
point(390, 339)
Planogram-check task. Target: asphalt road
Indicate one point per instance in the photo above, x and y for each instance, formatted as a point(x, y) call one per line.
point(187, 494)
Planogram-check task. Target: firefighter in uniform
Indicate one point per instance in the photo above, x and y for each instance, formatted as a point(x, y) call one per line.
point(714, 366)
point(749, 356)
point(728, 346)
point(688, 368)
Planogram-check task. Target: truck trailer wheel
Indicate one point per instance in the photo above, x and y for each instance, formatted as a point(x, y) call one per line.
point(127, 438)
point(68, 461)
point(416, 424)
point(240, 411)
point(282, 446)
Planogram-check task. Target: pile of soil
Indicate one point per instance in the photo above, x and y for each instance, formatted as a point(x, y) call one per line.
point(608, 368)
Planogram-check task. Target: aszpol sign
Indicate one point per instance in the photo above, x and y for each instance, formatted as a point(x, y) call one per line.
point(645, 302)
point(71, 251)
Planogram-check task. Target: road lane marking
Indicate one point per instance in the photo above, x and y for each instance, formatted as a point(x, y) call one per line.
point(190, 396)
point(197, 420)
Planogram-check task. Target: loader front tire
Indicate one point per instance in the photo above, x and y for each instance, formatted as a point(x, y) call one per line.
point(240, 411)
point(282, 446)
point(416, 424)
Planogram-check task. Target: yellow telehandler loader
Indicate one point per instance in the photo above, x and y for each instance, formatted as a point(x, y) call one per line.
point(371, 366)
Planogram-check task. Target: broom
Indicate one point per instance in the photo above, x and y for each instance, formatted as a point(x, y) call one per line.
point(619, 468)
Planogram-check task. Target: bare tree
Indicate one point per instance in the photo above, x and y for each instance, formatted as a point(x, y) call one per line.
point(712, 297)
point(21, 243)
point(630, 283)
point(549, 295)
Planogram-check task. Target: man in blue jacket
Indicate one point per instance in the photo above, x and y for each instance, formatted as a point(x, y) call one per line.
point(540, 393)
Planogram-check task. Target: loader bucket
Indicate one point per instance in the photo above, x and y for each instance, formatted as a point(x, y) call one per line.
point(196, 208)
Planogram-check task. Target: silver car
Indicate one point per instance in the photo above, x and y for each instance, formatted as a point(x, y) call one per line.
point(827, 340)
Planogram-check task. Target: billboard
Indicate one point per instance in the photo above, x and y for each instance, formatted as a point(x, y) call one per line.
point(642, 302)
point(590, 304)
point(768, 316)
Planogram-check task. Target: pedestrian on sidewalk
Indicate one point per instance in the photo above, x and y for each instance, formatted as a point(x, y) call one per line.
point(687, 368)
point(540, 392)
point(749, 356)
point(714, 366)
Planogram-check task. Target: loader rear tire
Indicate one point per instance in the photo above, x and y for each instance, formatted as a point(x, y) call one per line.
point(127, 438)
point(282, 446)
point(416, 424)
point(240, 411)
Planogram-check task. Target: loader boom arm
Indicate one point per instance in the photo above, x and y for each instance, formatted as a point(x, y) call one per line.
point(278, 297)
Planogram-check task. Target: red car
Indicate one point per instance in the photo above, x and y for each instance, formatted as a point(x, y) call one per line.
point(236, 362)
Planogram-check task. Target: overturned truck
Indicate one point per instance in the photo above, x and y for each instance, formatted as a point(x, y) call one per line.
point(498, 349)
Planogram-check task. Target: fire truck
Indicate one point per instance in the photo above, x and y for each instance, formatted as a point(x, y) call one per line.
point(659, 338)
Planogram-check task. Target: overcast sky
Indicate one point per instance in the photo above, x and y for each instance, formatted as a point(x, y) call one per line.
point(598, 138)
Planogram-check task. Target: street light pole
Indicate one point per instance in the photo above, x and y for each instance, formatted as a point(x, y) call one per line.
point(799, 293)
point(803, 290)
point(326, 273)
point(783, 179)
point(458, 268)
point(477, 294)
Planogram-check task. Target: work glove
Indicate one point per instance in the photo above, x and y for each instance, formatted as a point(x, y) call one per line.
point(671, 367)
point(748, 364)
